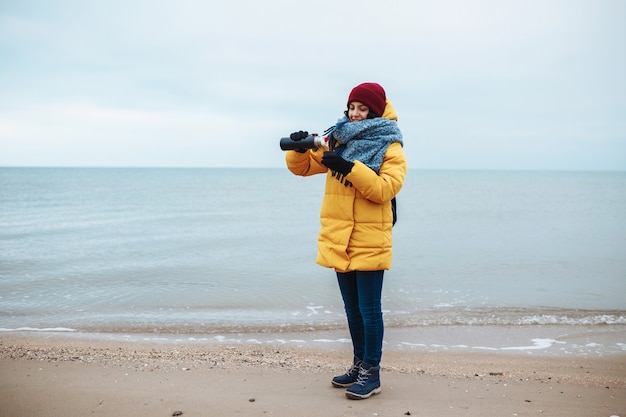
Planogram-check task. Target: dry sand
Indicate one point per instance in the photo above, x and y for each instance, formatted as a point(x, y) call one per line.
point(66, 377)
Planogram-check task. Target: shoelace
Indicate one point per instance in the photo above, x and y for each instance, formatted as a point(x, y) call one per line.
point(354, 368)
point(362, 378)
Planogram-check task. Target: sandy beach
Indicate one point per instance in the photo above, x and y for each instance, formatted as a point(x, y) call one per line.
point(61, 376)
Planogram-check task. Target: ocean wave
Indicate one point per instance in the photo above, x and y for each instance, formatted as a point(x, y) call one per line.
point(587, 320)
point(251, 321)
point(454, 316)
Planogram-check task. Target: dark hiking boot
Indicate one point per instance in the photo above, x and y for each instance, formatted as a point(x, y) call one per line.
point(346, 380)
point(367, 383)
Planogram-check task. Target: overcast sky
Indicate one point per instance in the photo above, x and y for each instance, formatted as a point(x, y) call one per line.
point(477, 84)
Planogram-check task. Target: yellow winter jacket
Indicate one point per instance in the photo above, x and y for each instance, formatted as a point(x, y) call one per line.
point(356, 221)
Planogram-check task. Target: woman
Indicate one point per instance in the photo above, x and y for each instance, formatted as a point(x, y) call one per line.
point(365, 168)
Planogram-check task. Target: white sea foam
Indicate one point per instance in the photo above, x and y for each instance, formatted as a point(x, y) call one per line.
point(343, 340)
point(313, 309)
point(34, 329)
point(565, 319)
point(538, 344)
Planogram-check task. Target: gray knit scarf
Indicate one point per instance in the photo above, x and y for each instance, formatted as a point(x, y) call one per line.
point(366, 140)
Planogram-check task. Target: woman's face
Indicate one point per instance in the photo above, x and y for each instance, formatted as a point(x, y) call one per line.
point(357, 111)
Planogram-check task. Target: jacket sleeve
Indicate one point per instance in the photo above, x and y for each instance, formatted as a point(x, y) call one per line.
point(385, 185)
point(307, 163)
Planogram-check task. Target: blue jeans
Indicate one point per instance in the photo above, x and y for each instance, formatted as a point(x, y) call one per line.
point(361, 292)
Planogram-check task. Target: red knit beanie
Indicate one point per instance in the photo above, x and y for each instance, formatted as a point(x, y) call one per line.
point(370, 94)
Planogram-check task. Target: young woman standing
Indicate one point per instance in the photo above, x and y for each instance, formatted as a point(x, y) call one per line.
point(365, 169)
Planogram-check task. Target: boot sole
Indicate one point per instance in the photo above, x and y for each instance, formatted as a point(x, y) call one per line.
point(353, 396)
point(338, 385)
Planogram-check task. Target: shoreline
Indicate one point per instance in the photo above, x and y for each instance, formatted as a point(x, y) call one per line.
point(76, 377)
point(170, 356)
point(537, 340)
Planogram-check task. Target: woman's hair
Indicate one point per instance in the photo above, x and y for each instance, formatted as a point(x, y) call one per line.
point(370, 115)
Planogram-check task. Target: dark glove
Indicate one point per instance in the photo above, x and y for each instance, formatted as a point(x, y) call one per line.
point(296, 136)
point(337, 163)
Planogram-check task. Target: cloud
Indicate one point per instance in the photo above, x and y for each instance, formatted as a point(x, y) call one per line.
point(141, 83)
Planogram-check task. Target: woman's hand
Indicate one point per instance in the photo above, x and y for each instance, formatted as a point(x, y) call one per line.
point(337, 163)
point(296, 136)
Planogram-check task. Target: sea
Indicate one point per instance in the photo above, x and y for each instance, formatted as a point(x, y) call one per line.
point(531, 261)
